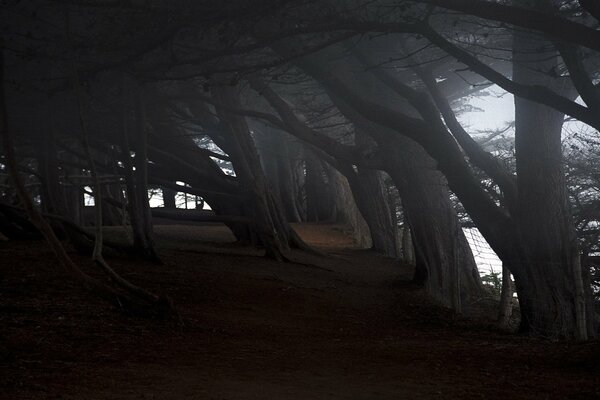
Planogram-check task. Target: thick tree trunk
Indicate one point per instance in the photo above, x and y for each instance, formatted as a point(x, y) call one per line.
point(198, 168)
point(445, 263)
point(377, 213)
point(547, 273)
point(374, 203)
point(345, 208)
point(276, 160)
point(272, 232)
point(168, 198)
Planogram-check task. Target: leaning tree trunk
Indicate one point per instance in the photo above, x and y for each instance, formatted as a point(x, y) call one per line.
point(140, 294)
point(346, 208)
point(318, 193)
point(54, 196)
point(267, 222)
point(377, 212)
point(273, 147)
point(374, 203)
point(445, 263)
point(36, 217)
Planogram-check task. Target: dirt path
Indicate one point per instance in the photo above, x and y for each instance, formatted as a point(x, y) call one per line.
point(348, 327)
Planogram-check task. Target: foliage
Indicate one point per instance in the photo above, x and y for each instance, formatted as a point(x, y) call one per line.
point(493, 282)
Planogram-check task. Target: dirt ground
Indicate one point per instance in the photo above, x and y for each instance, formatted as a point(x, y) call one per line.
point(349, 326)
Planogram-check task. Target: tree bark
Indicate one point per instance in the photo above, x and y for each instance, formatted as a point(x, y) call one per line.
point(168, 198)
point(373, 202)
point(506, 300)
point(548, 271)
point(268, 226)
point(445, 263)
point(136, 181)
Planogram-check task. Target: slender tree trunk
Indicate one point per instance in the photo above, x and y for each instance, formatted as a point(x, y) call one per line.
point(136, 182)
point(506, 299)
point(319, 205)
point(141, 177)
point(36, 217)
point(408, 249)
point(51, 192)
point(97, 256)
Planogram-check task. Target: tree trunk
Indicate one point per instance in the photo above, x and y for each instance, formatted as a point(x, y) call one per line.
point(319, 202)
point(408, 249)
point(136, 181)
point(547, 273)
point(506, 300)
point(345, 208)
point(51, 192)
point(271, 232)
point(168, 198)
point(276, 160)
point(445, 263)
point(374, 203)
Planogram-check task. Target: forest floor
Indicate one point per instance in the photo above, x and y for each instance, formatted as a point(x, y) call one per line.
point(349, 326)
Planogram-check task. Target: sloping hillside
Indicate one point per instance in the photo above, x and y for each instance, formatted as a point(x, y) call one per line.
point(349, 326)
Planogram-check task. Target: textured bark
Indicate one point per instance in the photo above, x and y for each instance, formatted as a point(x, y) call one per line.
point(444, 261)
point(272, 232)
point(277, 162)
point(346, 210)
point(548, 271)
point(373, 201)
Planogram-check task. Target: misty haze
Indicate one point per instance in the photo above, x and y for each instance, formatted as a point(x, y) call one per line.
point(299, 199)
